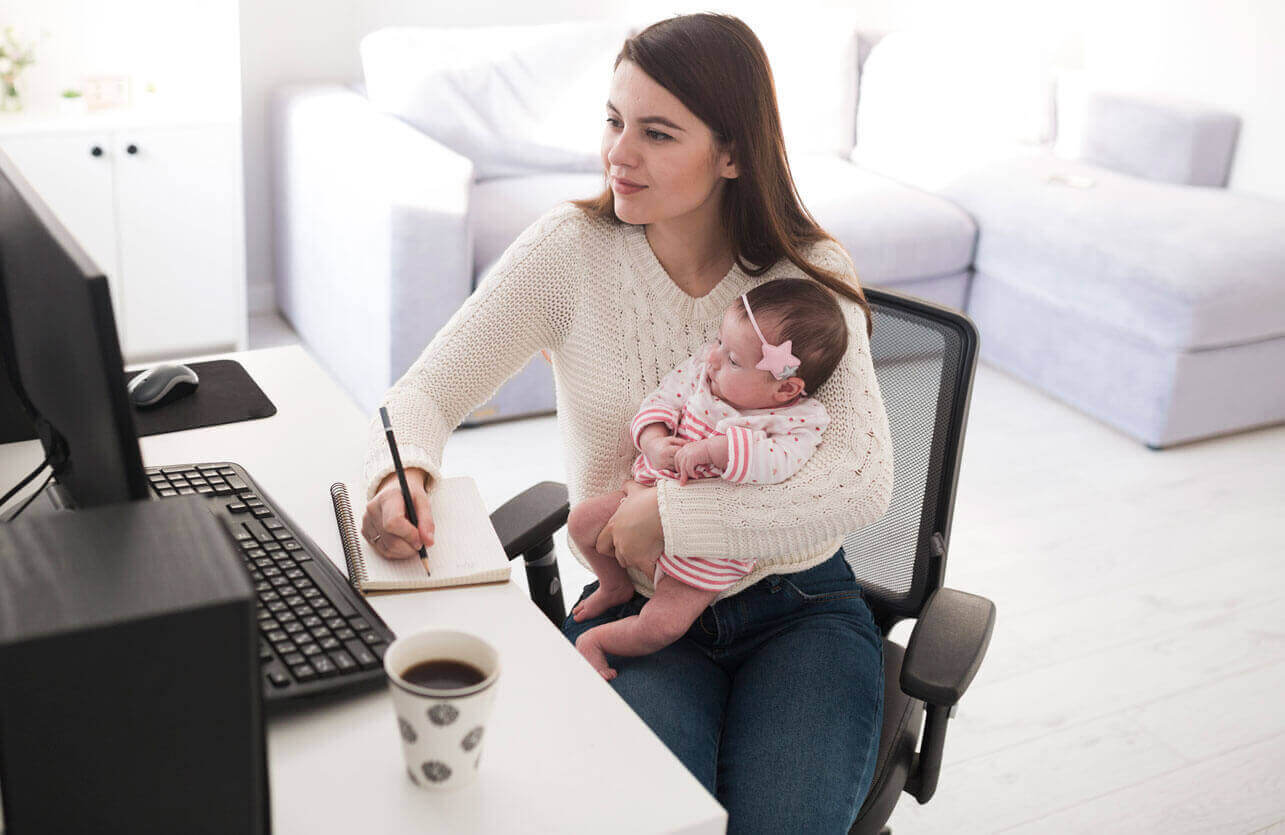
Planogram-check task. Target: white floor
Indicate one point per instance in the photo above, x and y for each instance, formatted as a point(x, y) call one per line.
point(1134, 680)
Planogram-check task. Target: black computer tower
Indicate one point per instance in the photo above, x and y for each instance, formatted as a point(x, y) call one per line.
point(129, 688)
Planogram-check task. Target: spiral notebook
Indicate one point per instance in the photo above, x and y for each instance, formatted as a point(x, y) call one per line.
point(465, 549)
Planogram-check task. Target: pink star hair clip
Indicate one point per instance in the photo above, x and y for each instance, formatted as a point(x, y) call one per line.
point(776, 358)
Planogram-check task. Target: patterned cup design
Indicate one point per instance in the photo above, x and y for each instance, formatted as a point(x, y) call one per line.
point(442, 734)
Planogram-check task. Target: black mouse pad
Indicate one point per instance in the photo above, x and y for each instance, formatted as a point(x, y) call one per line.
point(226, 394)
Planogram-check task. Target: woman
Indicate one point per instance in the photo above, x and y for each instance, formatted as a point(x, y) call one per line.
point(774, 698)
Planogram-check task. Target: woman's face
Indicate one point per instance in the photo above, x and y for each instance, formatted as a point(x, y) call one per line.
point(672, 158)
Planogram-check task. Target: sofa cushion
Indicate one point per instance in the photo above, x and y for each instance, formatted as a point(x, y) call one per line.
point(513, 99)
point(1180, 267)
point(893, 232)
point(499, 209)
point(813, 58)
point(935, 104)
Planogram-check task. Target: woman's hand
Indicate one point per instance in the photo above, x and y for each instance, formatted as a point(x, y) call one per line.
point(385, 525)
point(634, 535)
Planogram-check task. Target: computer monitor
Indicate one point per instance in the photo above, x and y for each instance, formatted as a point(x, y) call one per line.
point(60, 354)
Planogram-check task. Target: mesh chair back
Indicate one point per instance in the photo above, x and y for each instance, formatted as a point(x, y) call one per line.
point(924, 357)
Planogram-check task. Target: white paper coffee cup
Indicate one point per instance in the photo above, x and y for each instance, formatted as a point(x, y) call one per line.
point(442, 731)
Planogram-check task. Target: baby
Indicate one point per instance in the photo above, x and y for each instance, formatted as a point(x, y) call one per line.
point(739, 410)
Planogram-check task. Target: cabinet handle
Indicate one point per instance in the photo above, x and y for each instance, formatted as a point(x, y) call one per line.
point(96, 151)
point(131, 149)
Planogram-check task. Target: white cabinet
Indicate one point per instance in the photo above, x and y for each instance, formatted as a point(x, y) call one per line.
point(159, 210)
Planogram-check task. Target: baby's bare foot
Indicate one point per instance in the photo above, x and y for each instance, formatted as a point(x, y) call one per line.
point(588, 647)
point(602, 600)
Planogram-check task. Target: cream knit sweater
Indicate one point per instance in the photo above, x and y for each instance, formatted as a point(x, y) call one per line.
point(594, 295)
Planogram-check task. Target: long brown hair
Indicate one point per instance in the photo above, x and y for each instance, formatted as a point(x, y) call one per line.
point(715, 65)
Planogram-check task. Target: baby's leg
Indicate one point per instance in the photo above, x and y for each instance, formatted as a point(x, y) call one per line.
point(586, 521)
point(663, 619)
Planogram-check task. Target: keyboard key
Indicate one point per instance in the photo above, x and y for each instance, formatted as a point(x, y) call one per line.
point(329, 643)
point(274, 524)
point(277, 635)
point(294, 658)
point(281, 535)
point(343, 660)
point(260, 511)
point(294, 627)
point(345, 634)
point(278, 678)
point(290, 545)
point(364, 657)
point(237, 507)
point(331, 621)
point(167, 492)
point(312, 621)
point(269, 623)
point(370, 637)
point(236, 483)
point(186, 491)
point(324, 666)
point(303, 672)
point(309, 649)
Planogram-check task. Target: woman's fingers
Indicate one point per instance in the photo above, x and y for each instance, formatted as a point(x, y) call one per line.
point(605, 544)
point(423, 512)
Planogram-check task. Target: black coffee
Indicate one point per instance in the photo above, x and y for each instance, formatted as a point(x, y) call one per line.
point(443, 674)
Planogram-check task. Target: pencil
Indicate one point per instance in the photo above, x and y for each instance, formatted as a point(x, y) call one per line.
point(401, 479)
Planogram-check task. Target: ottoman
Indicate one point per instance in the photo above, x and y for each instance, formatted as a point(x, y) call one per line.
point(1157, 308)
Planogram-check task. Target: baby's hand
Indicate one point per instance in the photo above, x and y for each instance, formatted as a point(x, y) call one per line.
point(691, 456)
point(660, 451)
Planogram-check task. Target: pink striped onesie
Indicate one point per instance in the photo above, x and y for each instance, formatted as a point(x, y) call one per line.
point(765, 446)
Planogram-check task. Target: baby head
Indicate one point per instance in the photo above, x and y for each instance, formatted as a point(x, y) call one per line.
point(797, 310)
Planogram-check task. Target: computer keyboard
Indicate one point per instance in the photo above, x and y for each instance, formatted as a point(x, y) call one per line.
point(317, 635)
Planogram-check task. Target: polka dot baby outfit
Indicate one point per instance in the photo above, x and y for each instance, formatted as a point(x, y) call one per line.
point(765, 446)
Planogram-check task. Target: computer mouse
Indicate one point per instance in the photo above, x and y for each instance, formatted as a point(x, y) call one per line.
point(162, 384)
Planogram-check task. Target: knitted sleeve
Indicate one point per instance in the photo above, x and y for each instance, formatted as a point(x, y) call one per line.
point(524, 304)
point(844, 486)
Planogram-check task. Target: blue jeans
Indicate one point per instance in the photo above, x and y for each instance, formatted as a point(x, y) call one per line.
point(773, 699)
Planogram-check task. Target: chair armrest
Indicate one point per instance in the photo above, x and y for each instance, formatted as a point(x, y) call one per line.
point(531, 517)
point(373, 246)
point(1162, 140)
point(946, 646)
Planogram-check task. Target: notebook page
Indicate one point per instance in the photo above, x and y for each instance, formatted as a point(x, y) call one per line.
point(464, 542)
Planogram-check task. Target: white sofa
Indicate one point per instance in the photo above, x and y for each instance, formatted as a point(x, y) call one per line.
point(392, 204)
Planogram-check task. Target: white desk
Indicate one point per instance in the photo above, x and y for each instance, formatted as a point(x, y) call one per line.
point(563, 753)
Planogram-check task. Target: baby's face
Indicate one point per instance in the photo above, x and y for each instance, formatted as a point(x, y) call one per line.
point(732, 375)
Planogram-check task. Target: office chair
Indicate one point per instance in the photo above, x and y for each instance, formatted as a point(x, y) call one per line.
point(924, 357)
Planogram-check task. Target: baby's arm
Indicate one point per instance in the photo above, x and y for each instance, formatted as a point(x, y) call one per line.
point(664, 618)
point(757, 457)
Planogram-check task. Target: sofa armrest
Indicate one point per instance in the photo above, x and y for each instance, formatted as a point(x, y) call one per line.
point(1162, 140)
point(946, 646)
point(373, 247)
